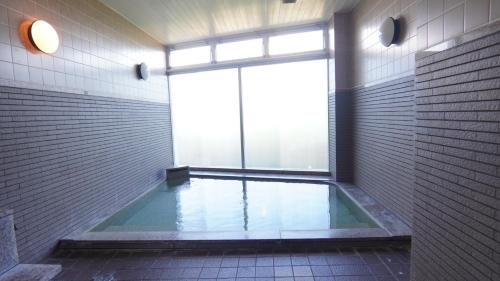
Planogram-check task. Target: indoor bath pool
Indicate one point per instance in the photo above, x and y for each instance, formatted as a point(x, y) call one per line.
point(205, 205)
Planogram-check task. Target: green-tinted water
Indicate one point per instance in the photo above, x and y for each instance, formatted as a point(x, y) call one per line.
point(237, 205)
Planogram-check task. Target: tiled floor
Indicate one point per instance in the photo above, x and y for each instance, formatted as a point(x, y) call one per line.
point(338, 264)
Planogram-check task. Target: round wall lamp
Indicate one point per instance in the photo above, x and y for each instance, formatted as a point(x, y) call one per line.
point(43, 36)
point(389, 32)
point(143, 71)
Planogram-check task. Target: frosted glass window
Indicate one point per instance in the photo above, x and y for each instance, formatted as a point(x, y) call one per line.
point(206, 122)
point(190, 56)
point(286, 116)
point(296, 42)
point(239, 50)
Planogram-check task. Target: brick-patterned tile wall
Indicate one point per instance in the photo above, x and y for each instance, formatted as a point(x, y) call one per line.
point(384, 133)
point(332, 143)
point(457, 197)
point(66, 159)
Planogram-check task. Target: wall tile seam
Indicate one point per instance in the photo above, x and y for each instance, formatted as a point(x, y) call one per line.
point(403, 143)
point(470, 70)
point(405, 96)
point(440, 148)
point(388, 153)
point(87, 99)
point(86, 145)
point(422, 266)
point(398, 173)
point(476, 253)
point(489, 170)
point(388, 125)
point(486, 85)
point(456, 129)
point(93, 109)
point(28, 131)
point(481, 239)
point(442, 116)
point(420, 103)
point(32, 132)
point(384, 95)
point(460, 59)
point(48, 95)
point(394, 197)
point(54, 139)
point(385, 87)
point(404, 180)
point(383, 153)
point(475, 64)
point(399, 103)
point(392, 83)
point(468, 197)
point(471, 46)
point(474, 79)
point(438, 265)
point(476, 219)
point(457, 261)
point(48, 179)
point(457, 239)
point(43, 173)
point(42, 153)
point(446, 132)
point(71, 195)
point(400, 127)
point(111, 193)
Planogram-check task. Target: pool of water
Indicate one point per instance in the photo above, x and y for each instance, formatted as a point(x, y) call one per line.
point(203, 204)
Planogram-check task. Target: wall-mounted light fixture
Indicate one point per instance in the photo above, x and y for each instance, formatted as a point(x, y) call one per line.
point(43, 36)
point(143, 71)
point(389, 32)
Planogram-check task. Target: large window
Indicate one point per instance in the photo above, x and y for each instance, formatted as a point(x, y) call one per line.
point(266, 109)
point(206, 120)
point(190, 56)
point(240, 49)
point(296, 42)
point(283, 108)
point(286, 116)
point(264, 45)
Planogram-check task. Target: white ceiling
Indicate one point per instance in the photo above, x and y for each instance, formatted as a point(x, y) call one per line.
point(175, 21)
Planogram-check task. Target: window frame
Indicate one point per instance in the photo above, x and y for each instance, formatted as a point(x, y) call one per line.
point(266, 58)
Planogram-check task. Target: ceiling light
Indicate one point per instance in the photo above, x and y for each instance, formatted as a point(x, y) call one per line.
point(43, 36)
point(389, 32)
point(143, 71)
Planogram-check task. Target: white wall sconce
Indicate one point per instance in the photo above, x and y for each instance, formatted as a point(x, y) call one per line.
point(43, 36)
point(389, 32)
point(143, 71)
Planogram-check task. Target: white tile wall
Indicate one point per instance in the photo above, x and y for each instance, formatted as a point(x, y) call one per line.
point(97, 53)
point(426, 23)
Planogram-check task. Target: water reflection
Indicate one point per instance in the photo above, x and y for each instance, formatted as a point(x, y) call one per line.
point(236, 205)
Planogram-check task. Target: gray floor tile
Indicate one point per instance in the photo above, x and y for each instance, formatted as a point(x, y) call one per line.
point(209, 272)
point(248, 271)
point(321, 270)
point(264, 271)
point(283, 271)
point(227, 272)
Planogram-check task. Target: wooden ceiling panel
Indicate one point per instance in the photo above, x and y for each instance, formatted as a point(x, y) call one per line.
point(175, 21)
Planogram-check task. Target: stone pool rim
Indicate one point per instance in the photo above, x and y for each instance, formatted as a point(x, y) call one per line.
point(391, 228)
